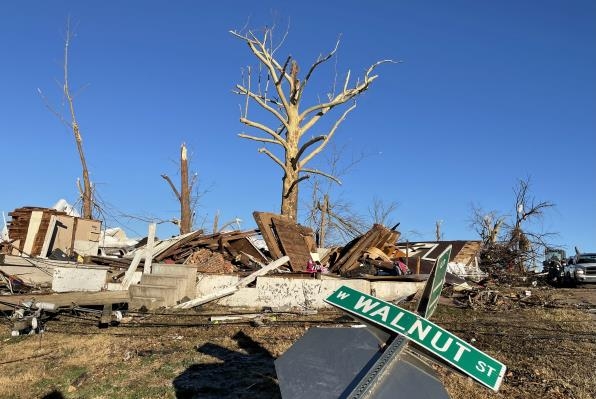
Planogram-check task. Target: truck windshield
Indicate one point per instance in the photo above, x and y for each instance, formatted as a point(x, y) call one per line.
point(587, 259)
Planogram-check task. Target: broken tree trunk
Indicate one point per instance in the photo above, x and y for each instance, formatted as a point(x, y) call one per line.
point(183, 196)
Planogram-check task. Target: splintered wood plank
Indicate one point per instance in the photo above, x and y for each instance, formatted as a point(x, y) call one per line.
point(34, 222)
point(468, 253)
point(264, 221)
point(246, 246)
point(348, 259)
point(49, 237)
point(178, 247)
point(293, 243)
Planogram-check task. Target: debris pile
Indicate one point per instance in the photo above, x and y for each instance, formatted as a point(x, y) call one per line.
point(379, 243)
point(145, 267)
point(284, 237)
point(37, 231)
point(208, 261)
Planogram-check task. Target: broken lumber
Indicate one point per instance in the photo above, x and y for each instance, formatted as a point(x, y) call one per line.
point(378, 236)
point(284, 236)
point(127, 279)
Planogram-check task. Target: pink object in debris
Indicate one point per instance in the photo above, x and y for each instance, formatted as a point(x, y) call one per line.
point(402, 267)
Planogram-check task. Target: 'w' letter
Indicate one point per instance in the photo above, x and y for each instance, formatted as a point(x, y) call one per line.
point(342, 295)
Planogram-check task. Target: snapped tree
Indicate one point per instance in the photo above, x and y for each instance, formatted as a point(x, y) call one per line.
point(184, 195)
point(86, 190)
point(292, 120)
point(524, 242)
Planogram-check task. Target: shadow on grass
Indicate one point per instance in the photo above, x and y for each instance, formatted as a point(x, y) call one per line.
point(246, 374)
point(53, 395)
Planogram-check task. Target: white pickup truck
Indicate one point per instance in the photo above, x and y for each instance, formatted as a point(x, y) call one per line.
point(581, 269)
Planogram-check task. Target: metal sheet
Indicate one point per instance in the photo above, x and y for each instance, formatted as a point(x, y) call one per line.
point(326, 361)
point(331, 363)
point(409, 378)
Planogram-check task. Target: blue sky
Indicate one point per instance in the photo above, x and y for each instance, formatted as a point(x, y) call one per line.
point(488, 92)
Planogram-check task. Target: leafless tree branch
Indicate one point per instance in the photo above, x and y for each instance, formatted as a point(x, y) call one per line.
point(172, 186)
point(321, 173)
point(273, 157)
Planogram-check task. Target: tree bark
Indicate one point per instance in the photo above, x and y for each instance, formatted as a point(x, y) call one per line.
point(185, 212)
point(323, 228)
point(86, 195)
point(184, 195)
point(289, 198)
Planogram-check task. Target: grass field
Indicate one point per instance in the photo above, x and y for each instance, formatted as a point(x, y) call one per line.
point(549, 352)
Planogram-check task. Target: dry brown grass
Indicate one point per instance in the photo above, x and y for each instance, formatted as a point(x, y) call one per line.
point(549, 354)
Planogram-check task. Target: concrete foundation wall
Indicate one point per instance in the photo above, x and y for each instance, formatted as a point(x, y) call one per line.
point(299, 293)
point(30, 274)
point(68, 279)
point(210, 283)
point(392, 290)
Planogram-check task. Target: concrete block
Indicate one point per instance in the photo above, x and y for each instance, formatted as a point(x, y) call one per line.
point(392, 290)
point(189, 271)
point(177, 283)
point(150, 303)
point(167, 268)
point(30, 274)
point(66, 279)
point(135, 279)
point(154, 291)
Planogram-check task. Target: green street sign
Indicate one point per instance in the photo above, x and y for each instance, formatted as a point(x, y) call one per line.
point(434, 285)
point(438, 341)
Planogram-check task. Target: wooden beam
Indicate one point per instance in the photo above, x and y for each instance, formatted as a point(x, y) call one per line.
point(149, 248)
point(127, 279)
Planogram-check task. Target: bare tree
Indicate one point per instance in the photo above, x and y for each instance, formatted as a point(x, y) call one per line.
point(381, 211)
point(292, 121)
point(334, 220)
point(86, 190)
point(184, 195)
point(524, 242)
point(487, 224)
point(512, 242)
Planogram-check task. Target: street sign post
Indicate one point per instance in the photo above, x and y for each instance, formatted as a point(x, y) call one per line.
point(434, 285)
point(439, 342)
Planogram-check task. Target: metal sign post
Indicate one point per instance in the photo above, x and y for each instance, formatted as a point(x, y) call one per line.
point(434, 286)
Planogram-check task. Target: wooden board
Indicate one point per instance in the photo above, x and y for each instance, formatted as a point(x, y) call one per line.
point(293, 244)
point(32, 229)
point(348, 257)
point(378, 237)
point(246, 246)
point(264, 221)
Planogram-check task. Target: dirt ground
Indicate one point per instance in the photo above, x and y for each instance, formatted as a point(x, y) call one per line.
point(547, 340)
